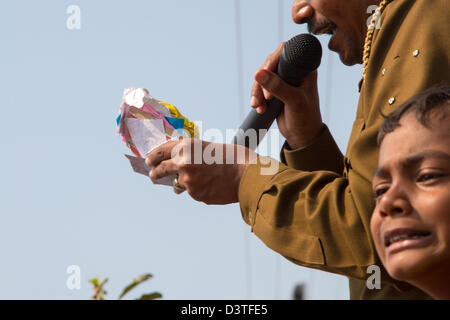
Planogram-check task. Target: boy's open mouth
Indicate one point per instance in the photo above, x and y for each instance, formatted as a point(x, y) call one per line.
point(397, 235)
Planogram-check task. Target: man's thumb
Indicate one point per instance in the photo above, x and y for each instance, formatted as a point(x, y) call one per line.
point(275, 85)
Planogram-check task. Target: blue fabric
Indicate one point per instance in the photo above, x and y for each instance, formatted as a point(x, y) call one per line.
point(176, 123)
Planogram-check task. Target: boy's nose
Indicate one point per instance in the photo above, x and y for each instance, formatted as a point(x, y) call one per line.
point(301, 11)
point(394, 203)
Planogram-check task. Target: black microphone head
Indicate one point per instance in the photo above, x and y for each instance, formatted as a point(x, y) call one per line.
point(303, 51)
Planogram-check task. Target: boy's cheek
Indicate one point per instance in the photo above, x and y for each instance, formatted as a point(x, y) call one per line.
point(375, 225)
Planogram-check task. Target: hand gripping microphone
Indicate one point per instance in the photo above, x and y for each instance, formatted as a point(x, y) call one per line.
point(300, 56)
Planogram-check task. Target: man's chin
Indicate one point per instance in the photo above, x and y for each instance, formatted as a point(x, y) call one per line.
point(348, 62)
point(344, 51)
point(347, 59)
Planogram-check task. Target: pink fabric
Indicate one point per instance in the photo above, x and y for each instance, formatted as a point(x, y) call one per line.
point(150, 110)
point(123, 130)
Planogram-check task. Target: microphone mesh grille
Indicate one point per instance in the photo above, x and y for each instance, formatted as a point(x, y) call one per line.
point(304, 51)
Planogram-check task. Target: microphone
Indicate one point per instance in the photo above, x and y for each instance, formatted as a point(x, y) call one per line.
point(301, 55)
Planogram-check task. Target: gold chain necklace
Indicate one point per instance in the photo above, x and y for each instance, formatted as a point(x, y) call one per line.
point(370, 32)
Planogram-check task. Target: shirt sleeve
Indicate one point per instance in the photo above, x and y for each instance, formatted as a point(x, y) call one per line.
point(322, 154)
point(308, 217)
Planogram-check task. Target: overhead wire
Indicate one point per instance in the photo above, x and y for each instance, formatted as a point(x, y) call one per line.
point(277, 273)
point(241, 106)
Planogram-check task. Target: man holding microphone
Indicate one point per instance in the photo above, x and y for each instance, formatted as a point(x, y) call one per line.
point(315, 209)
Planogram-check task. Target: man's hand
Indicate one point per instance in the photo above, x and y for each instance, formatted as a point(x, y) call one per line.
point(300, 122)
point(202, 168)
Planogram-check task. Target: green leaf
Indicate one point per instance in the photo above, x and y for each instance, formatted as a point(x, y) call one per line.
point(99, 292)
point(150, 296)
point(135, 282)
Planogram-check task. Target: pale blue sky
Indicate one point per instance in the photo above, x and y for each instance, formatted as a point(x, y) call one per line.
point(68, 195)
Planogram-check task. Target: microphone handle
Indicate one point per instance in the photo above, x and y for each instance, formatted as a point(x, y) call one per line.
point(262, 122)
point(259, 122)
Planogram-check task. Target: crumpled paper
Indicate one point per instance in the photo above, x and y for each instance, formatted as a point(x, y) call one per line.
point(146, 123)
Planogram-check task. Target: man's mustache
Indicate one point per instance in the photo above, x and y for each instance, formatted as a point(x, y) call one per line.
point(321, 25)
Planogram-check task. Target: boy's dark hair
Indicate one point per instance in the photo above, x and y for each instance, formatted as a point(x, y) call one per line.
point(422, 104)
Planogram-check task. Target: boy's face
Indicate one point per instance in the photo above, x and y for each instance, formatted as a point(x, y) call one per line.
point(411, 221)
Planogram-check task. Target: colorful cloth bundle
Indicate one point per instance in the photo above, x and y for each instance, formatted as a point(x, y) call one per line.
point(145, 123)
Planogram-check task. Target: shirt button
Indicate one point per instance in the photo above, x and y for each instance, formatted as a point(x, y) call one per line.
point(383, 72)
point(416, 53)
point(391, 100)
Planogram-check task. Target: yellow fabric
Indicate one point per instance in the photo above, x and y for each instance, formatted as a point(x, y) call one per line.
point(316, 209)
point(189, 126)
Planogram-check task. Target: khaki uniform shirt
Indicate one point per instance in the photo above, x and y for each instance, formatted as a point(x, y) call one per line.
point(316, 209)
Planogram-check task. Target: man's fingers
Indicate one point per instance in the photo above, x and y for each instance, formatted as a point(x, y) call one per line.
point(271, 64)
point(275, 85)
point(259, 95)
point(267, 94)
point(165, 168)
point(261, 109)
point(257, 98)
point(163, 152)
point(273, 59)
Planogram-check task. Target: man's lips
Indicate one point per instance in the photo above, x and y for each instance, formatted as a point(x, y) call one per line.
point(324, 29)
point(402, 238)
point(320, 26)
